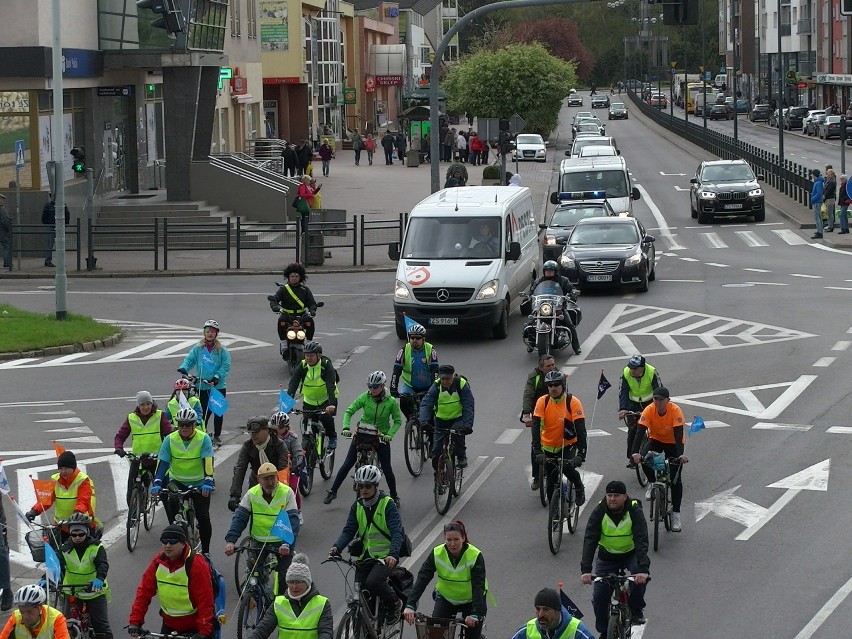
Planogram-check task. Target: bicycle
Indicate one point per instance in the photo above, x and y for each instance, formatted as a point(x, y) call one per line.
point(75, 609)
point(562, 505)
point(366, 441)
point(255, 594)
point(620, 624)
point(417, 442)
point(315, 444)
point(659, 505)
point(365, 615)
point(448, 475)
point(142, 506)
point(185, 516)
point(633, 416)
point(426, 627)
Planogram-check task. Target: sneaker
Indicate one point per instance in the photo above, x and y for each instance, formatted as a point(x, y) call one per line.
point(648, 493)
point(52, 265)
point(301, 518)
point(815, 236)
point(535, 484)
point(330, 496)
point(676, 522)
point(217, 441)
point(462, 462)
point(637, 618)
point(392, 615)
point(579, 495)
point(6, 600)
point(631, 465)
point(332, 443)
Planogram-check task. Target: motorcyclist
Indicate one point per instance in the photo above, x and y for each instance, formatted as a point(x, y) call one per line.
point(550, 271)
point(294, 299)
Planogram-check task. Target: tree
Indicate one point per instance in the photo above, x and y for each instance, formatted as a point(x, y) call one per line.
point(520, 78)
point(559, 37)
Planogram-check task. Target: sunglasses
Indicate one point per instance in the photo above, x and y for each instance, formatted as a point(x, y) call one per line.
point(374, 386)
point(170, 542)
point(417, 337)
point(554, 384)
point(452, 527)
point(186, 424)
point(77, 534)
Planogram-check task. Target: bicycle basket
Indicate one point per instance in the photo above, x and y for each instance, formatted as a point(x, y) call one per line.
point(434, 628)
point(657, 462)
point(36, 543)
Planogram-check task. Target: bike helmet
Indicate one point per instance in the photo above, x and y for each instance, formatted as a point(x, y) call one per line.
point(313, 347)
point(186, 415)
point(550, 265)
point(637, 361)
point(296, 267)
point(211, 324)
point(78, 518)
point(368, 475)
point(376, 378)
point(183, 384)
point(280, 420)
point(32, 595)
point(553, 377)
point(418, 330)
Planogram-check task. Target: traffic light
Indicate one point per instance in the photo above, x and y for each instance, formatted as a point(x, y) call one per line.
point(171, 16)
point(683, 12)
point(79, 155)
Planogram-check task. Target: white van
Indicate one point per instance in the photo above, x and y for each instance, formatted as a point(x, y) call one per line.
point(606, 174)
point(466, 256)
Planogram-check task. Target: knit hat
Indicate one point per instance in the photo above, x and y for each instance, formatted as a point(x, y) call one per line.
point(548, 598)
point(172, 532)
point(446, 370)
point(66, 460)
point(267, 469)
point(616, 488)
point(815, 172)
point(144, 396)
point(299, 571)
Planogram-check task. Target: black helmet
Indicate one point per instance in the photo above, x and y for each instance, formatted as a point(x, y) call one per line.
point(296, 267)
point(550, 265)
point(553, 377)
point(313, 347)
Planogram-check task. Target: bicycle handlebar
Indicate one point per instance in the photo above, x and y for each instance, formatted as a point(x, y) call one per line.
point(142, 457)
point(308, 413)
point(184, 493)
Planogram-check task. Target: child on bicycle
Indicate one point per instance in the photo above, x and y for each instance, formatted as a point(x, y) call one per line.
point(184, 386)
point(280, 423)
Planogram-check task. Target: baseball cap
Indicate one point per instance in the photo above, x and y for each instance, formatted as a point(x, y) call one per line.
point(661, 392)
point(267, 469)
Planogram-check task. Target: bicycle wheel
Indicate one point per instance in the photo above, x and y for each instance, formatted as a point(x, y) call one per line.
point(555, 515)
point(414, 457)
point(667, 512)
point(572, 510)
point(149, 510)
point(192, 534)
point(615, 628)
point(241, 562)
point(656, 515)
point(351, 626)
point(134, 518)
point(307, 483)
point(640, 475)
point(249, 614)
point(457, 473)
point(326, 458)
point(442, 489)
point(542, 483)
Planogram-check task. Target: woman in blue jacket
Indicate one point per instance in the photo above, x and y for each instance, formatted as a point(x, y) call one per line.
point(213, 363)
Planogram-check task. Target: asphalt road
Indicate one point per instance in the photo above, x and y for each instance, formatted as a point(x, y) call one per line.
point(745, 323)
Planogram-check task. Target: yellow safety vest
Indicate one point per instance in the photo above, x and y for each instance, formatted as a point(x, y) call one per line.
point(66, 498)
point(187, 465)
point(146, 435)
point(264, 514)
point(48, 614)
point(81, 570)
point(376, 544)
point(173, 591)
point(314, 391)
point(640, 390)
point(569, 632)
point(449, 405)
point(454, 582)
point(407, 363)
point(617, 539)
point(194, 403)
point(304, 625)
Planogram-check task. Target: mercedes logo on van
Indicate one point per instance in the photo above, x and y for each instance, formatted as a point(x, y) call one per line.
point(443, 295)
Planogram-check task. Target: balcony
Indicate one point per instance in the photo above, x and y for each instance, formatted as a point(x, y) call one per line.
point(785, 30)
point(805, 26)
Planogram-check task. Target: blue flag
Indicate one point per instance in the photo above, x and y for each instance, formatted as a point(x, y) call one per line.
point(696, 425)
point(281, 528)
point(217, 402)
point(603, 385)
point(409, 323)
point(572, 608)
point(285, 402)
point(51, 564)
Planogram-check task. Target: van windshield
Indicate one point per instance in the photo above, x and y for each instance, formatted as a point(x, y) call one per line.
point(450, 238)
point(612, 181)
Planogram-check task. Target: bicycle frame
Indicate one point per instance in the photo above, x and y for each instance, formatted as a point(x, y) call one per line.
point(358, 600)
point(77, 618)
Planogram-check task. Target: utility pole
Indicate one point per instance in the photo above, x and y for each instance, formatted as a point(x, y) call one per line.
point(57, 138)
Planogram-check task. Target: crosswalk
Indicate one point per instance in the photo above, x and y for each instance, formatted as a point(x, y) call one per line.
point(756, 237)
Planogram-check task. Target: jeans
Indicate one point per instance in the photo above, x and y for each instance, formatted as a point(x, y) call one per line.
point(448, 152)
point(7, 252)
point(383, 452)
point(445, 610)
point(474, 157)
point(49, 244)
point(325, 166)
point(676, 484)
point(844, 222)
point(204, 397)
point(357, 156)
point(818, 218)
point(602, 592)
point(370, 156)
point(388, 156)
point(830, 207)
point(442, 430)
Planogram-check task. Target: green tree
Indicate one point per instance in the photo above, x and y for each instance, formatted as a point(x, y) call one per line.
point(520, 78)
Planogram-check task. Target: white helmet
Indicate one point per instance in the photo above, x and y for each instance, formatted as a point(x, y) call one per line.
point(377, 378)
point(32, 595)
point(368, 475)
point(211, 324)
point(280, 420)
point(186, 415)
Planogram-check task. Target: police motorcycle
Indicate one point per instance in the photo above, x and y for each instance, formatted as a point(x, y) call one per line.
point(294, 329)
point(548, 328)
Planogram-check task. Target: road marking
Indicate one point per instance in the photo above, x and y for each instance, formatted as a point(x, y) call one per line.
point(682, 281)
point(712, 240)
point(672, 241)
point(509, 436)
point(661, 221)
point(360, 349)
point(750, 238)
point(824, 361)
point(812, 277)
point(70, 429)
point(840, 430)
point(597, 432)
point(730, 506)
point(690, 259)
point(791, 237)
point(771, 426)
point(71, 357)
point(757, 270)
point(825, 612)
point(716, 264)
point(380, 335)
point(841, 346)
point(753, 407)
point(94, 439)
point(60, 420)
point(768, 283)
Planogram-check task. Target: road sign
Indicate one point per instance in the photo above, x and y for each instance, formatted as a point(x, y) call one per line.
point(674, 64)
point(488, 129)
point(19, 154)
point(517, 123)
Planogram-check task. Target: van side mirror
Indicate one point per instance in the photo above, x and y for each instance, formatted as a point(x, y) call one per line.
point(636, 195)
point(554, 198)
point(568, 153)
point(514, 252)
point(393, 251)
point(618, 151)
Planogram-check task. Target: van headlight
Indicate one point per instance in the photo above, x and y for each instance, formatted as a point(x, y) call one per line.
point(400, 291)
point(634, 260)
point(488, 290)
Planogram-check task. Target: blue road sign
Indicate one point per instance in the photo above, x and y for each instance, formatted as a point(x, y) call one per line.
point(19, 154)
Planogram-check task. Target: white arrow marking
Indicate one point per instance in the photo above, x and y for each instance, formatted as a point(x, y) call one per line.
point(60, 420)
point(730, 506)
point(673, 174)
point(70, 429)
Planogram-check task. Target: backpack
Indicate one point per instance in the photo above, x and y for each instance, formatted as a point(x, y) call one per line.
point(218, 581)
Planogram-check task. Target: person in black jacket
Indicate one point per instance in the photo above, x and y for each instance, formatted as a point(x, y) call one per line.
point(306, 154)
point(48, 218)
point(388, 142)
point(290, 161)
point(295, 299)
point(261, 447)
point(550, 271)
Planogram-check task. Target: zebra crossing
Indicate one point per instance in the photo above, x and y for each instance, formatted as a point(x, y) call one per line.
point(758, 236)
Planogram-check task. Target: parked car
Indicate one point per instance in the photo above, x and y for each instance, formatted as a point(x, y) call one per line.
point(813, 113)
point(793, 117)
point(812, 124)
point(742, 105)
point(829, 127)
point(760, 113)
point(720, 112)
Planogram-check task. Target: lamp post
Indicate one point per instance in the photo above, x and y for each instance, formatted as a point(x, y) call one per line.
point(780, 88)
point(736, 86)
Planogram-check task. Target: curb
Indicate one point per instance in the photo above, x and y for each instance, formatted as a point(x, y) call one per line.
point(67, 349)
point(19, 275)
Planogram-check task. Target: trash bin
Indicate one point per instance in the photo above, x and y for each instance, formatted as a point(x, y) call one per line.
point(314, 248)
point(412, 158)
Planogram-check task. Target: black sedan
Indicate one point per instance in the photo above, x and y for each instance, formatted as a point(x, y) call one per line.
point(793, 117)
point(725, 188)
point(575, 99)
point(609, 252)
point(617, 111)
point(565, 216)
point(760, 113)
point(720, 112)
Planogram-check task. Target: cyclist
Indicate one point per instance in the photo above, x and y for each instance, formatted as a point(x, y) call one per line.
point(414, 369)
point(375, 520)
point(550, 271)
point(183, 385)
point(187, 455)
point(213, 362)
point(295, 299)
point(149, 426)
point(260, 506)
point(559, 426)
point(34, 619)
point(449, 402)
point(183, 585)
point(379, 409)
point(300, 611)
point(83, 561)
point(618, 531)
point(534, 388)
point(639, 380)
point(664, 421)
point(280, 423)
point(73, 491)
point(317, 380)
point(552, 619)
point(461, 587)
point(261, 447)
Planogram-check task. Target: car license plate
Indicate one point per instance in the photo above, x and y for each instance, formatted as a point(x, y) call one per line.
point(599, 278)
point(733, 206)
point(444, 321)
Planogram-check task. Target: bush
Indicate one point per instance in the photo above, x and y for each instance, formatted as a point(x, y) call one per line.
point(491, 172)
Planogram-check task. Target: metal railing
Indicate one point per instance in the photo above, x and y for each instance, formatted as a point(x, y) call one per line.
point(34, 239)
point(381, 232)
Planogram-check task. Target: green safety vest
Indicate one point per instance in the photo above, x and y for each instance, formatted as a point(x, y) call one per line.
point(304, 625)
point(173, 591)
point(406, 361)
point(640, 390)
point(449, 405)
point(314, 391)
point(454, 582)
point(302, 308)
point(48, 614)
point(617, 539)
point(146, 435)
point(79, 571)
point(194, 403)
point(66, 498)
point(264, 514)
point(376, 543)
point(187, 465)
point(570, 630)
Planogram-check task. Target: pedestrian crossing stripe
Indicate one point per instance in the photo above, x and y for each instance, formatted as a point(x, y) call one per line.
point(751, 239)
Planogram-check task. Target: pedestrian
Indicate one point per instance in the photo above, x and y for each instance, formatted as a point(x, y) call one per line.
point(401, 144)
point(849, 112)
point(357, 145)
point(449, 141)
point(816, 201)
point(844, 201)
point(289, 160)
point(303, 202)
point(469, 119)
point(5, 571)
point(475, 148)
point(388, 142)
point(326, 154)
point(370, 147)
point(306, 154)
point(315, 201)
point(483, 154)
point(829, 197)
point(5, 237)
point(48, 218)
point(594, 89)
point(461, 145)
point(552, 619)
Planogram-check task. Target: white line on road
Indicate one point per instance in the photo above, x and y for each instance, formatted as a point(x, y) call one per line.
point(683, 281)
point(690, 259)
point(768, 283)
point(840, 430)
point(822, 362)
point(830, 606)
point(712, 240)
point(838, 288)
point(597, 432)
point(509, 436)
point(661, 221)
point(830, 249)
point(60, 420)
point(716, 264)
point(791, 237)
point(841, 346)
point(813, 277)
point(380, 335)
point(360, 349)
point(751, 238)
point(757, 270)
point(771, 426)
point(131, 351)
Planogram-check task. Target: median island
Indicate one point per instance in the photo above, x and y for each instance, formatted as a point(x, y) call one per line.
point(22, 331)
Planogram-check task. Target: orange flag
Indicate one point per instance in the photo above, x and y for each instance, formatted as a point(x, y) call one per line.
point(58, 448)
point(44, 491)
point(284, 475)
